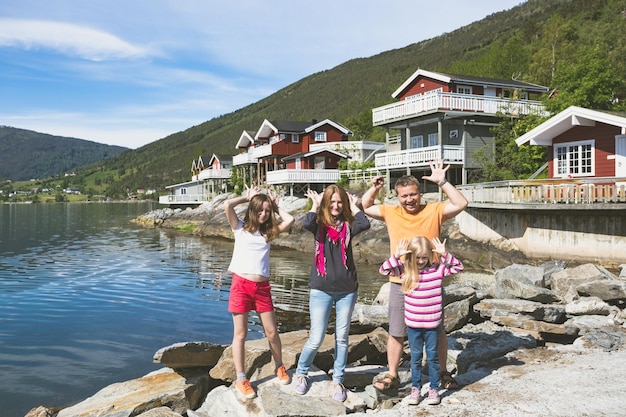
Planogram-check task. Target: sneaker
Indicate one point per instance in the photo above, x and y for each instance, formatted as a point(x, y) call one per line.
point(300, 384)
point(339, 392)
point(282, 375)
point(245, 389)
point(415, 396)
point(433, 397)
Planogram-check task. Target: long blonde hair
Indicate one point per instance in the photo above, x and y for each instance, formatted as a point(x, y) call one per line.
point(417, 246)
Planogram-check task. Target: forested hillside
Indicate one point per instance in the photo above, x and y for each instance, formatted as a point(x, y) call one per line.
point(26, 155)
point(576, 47)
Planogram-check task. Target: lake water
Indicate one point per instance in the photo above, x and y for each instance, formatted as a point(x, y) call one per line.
point(87, 297)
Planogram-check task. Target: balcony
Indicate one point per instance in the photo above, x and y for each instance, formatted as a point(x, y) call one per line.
point(244, 158)
point(262, 151)
point(413, 107)
point(420, 157)
point(303, 176)
point(184, 199)
point(210, 174)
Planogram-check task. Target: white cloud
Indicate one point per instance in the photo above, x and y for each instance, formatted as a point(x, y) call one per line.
point(68, 39)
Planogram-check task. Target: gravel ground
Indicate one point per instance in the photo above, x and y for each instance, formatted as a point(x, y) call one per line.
point(549, 382)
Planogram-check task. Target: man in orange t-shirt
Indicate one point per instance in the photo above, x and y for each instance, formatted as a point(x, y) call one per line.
point(405, 221)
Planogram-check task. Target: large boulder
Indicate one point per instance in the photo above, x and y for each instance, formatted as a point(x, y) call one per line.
point(127, 399)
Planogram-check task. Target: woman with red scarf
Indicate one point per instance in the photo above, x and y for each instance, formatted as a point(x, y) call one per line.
point(334, 220)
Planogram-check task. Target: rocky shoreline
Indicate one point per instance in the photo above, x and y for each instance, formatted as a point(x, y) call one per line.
point(527, 318)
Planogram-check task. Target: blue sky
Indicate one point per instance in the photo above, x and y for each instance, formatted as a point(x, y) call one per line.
point(131, 72)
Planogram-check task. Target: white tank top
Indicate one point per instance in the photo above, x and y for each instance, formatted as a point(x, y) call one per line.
point(251, 254)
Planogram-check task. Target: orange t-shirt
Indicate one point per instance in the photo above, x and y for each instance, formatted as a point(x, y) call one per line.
point(402, 225)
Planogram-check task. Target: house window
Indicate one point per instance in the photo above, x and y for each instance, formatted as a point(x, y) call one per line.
point(319, 162)
point(183, 191)
point(295, 138)
point(320, 136)
point(464, 89)
point(574, 159)
point(433, 139)
point(416, 142)
point(298, 163)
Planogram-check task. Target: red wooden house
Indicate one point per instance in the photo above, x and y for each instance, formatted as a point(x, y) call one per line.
point(583, 143)
point(293, 154)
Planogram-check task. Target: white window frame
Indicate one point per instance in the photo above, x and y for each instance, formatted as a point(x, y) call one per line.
point(464, 89)
point(433, 139)
point(183, 191)
point(320, 136)
point(574, 159)
point(295, 138)
point(416, 142)
point(298, 163)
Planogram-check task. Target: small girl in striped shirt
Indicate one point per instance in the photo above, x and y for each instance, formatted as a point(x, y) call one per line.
point(422, 279)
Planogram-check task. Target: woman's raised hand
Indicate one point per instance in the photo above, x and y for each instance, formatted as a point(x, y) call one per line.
point(315, 197)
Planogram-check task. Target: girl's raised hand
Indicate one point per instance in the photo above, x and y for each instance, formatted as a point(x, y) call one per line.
point(439, 246)
point(251, 191)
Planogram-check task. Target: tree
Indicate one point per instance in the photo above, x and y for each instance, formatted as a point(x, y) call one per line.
point(511, 162)
point(591, 82)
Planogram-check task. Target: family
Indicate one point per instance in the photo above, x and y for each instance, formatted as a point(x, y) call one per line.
point(417, 264)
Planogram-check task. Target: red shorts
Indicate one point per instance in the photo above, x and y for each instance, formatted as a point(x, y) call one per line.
point(246, 295)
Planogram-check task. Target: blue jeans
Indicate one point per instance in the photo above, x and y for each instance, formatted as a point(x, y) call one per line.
point(417, 339)
point(320, 305)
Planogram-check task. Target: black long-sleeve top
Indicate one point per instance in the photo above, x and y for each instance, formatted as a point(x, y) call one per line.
point(340, 278)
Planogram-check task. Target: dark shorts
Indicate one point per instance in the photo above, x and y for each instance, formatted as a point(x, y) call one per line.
point(246, 295)
point(395, 312)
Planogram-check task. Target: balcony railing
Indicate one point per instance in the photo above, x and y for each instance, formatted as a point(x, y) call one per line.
point(262, 150)
point(291, 176)
point(419, 157)
point(244, 158)
point(207, 174)
point(184, 199)
point(549, 191)
point(454, 102)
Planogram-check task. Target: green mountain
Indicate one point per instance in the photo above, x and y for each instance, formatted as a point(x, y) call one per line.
point(547, 42)
point(25, 154)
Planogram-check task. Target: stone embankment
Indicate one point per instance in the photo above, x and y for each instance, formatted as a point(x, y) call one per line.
point(531, 340)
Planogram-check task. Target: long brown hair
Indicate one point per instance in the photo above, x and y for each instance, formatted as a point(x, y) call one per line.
point(324, 218)
point(417, 246)
point(269, 229)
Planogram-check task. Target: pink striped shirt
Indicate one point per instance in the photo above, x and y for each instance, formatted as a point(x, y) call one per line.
point(423, 305)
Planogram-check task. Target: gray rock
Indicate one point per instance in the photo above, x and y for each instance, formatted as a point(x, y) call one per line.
point(552, 313)
point(484, 342)
point(160, 412)
point(150, 391)
point(189, 355)
point(607, 289)
point(564, 282)
point(588, 306)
